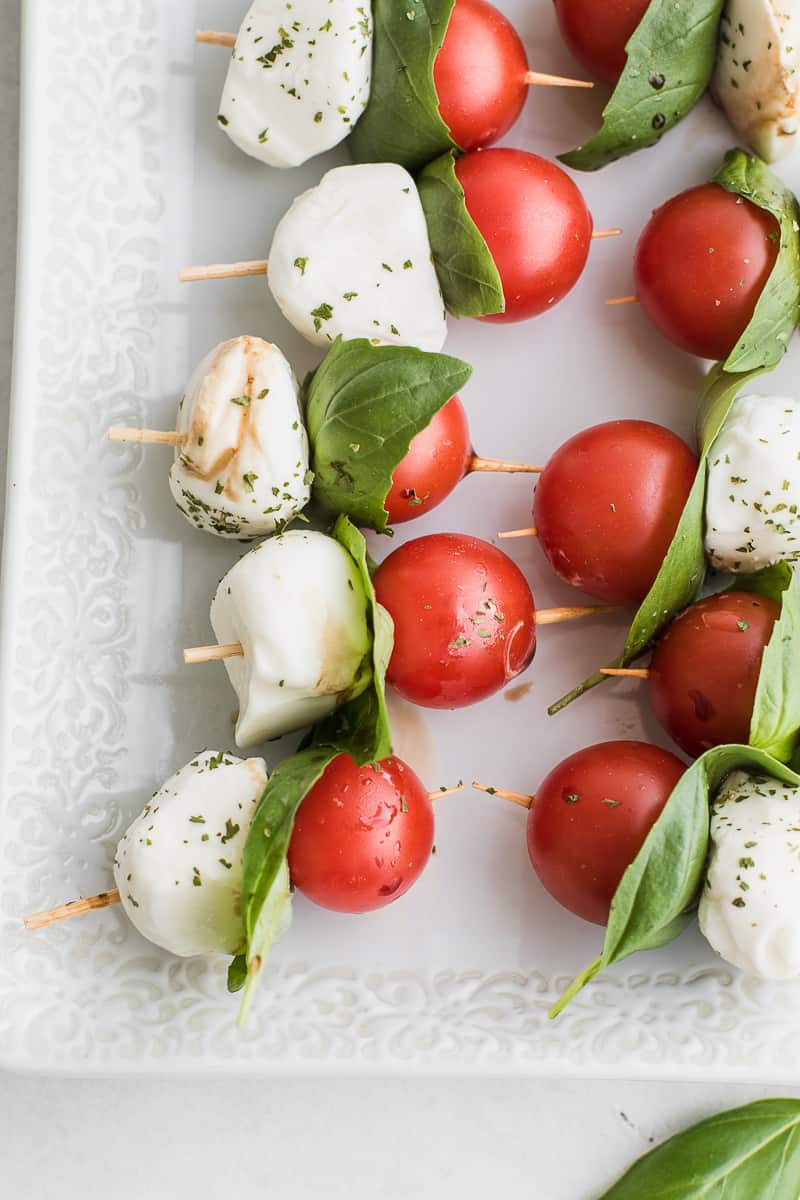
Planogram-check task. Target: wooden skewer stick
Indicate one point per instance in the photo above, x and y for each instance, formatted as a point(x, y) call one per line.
point(538, 79)
point(437, 795)
point(202, 654)
point(519, 533)
point(239, 270)
point(621, 300)
point(477, 463)
point(260, 266)
point(515, 797)
point(626, 672)
point(75, 908)
point(553, 616)
point(545, 616)
point(212, 37)
point(147, 437)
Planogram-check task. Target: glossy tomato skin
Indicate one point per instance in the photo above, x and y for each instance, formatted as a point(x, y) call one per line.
point(363, 835)
point(607, 505)
point(598, 32)
point(479, 74)
point(701, 265)
point(704, 673)
point(590, 817)
point(534, 221)
point(464, 619)
point(437, 460)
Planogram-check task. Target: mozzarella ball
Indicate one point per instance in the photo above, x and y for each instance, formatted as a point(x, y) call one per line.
point(352, 257)
point(242, 469)
point(178, 867)
point(298, 606)
point(753, 492)
point(750, 900)
point(298, 79)
point(756, 79)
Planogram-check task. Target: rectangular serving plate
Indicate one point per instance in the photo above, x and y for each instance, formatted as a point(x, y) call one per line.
point(124, 178)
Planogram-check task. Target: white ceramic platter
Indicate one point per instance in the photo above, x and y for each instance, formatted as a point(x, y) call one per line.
point(125, 177)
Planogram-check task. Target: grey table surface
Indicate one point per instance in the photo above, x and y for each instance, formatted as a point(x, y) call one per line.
point(354, 1138)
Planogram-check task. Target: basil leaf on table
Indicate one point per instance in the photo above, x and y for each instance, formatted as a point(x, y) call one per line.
point(363, 405)
point(749, 1153)
point(468, 277)
point(775, 723)
point(683, 571)
point(401, 122)
point(671, 57)
point(652, 904)
point(764, 341)
point(359, 728)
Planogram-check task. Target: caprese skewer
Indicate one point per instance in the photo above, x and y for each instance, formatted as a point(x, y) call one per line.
point(502, 234)
point(361, 839)
point(463, 613)
point(299, 79)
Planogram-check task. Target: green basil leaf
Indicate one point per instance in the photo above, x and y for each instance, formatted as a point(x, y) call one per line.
point(401, 122)
point(764, 341)
point(671, 57)
point(683, 571)
point(363, 406)
point(652, 903)
point(742, 1154)
point(359, 728)
point(770, 581)
point(468, 277)
point(775, 723)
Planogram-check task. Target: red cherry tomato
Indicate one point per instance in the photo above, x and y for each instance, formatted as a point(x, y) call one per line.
point(705, 669)
point(464, 619)
point(437, 459)
point(608, 503)
point(597, 33)
point(535, 223)
point(362, 836)
point(479, 74)
point(701, 265)
point(590, 817)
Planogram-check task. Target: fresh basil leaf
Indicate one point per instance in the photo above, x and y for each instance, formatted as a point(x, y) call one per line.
point(764, 341)
point(237, 973)
point(359, 728)
point(470, 282)
point(401, 122)
point(770, 581)
point(775, 723)
point(671, 57)
point(363, 406)
point(683, 571)
point(273, 918)
point(652, 904)
point(742, 1154)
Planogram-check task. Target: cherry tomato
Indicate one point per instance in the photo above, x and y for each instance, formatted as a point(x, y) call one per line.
point(590, 817)
point(705, 669)
point(464, 619)
point(437, 459)
point(480, 74)
point(598, 32)
point(362, 836)
point(535, 223)
point(608, 503)
point(701, 265)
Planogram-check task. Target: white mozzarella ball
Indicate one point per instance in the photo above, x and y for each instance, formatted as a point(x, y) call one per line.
point(753, 494)
point(298, 606)
point(298, 79)
point(756, 78)
point(178, 867)
point(749, 905)
point(243, 468)
point(352, 257)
